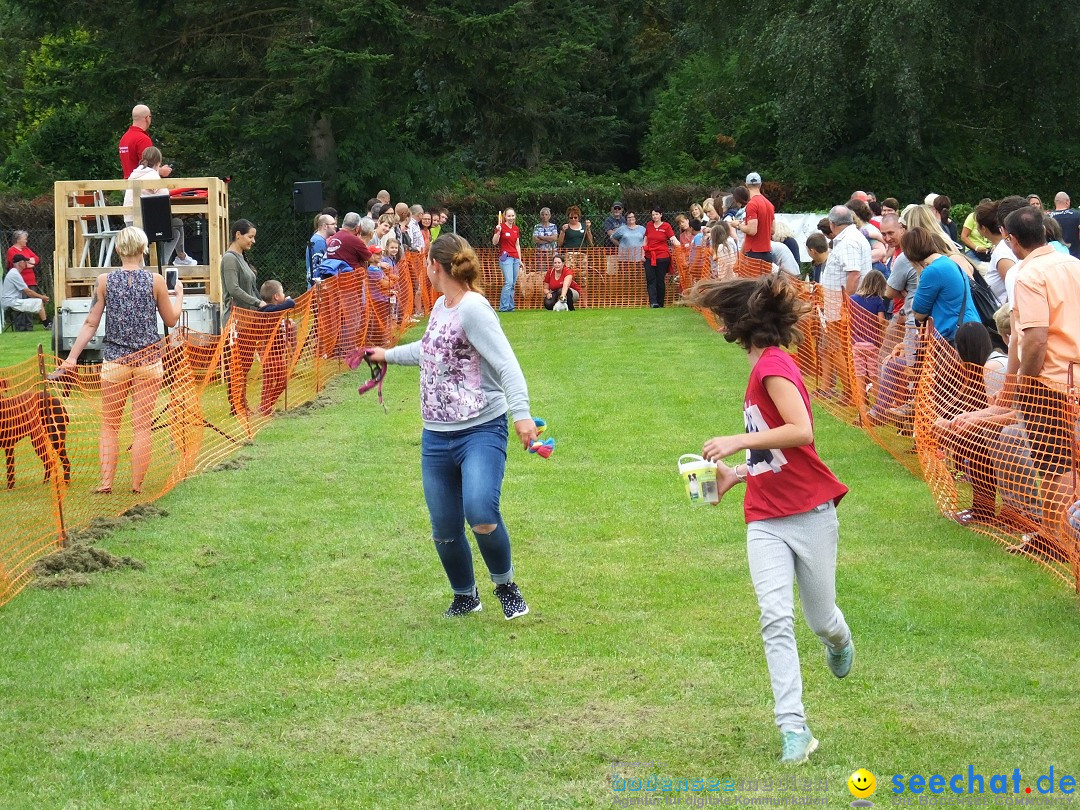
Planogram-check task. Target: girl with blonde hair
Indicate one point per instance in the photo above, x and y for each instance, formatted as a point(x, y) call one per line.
point(131, 298)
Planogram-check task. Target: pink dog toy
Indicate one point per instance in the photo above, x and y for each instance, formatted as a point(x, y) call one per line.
point(378, 372)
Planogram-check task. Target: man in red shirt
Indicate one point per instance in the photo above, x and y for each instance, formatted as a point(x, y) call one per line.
point(347, 245)
point(135, 140)
point(758, 223)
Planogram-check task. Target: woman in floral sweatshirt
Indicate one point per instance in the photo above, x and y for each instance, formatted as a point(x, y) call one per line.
point(469, 379)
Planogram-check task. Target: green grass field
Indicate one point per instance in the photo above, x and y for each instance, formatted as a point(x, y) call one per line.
point(284, 646)
point(17, 346)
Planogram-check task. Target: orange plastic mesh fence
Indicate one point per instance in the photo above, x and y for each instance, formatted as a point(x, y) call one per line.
point(147, 422)
point(1001, 461)
point(608, 279)
point(144, 423)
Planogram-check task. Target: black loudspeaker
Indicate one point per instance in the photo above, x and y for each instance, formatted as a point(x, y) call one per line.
point(157, 217)
point(307, 196)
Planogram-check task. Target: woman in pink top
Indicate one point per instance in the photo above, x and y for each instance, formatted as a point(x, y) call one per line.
point(658, 238)
point(507, 238)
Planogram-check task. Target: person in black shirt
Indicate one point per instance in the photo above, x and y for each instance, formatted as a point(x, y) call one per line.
point(1069, 220)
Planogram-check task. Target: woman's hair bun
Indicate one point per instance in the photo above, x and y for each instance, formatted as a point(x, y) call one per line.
point(457, 258)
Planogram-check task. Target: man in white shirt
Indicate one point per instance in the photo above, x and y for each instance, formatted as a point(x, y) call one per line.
point(848, 262)
point(15, 294)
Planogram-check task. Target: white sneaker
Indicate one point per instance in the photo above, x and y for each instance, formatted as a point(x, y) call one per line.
point(189, 261)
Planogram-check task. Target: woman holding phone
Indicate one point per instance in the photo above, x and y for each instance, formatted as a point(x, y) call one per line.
point(133, 298)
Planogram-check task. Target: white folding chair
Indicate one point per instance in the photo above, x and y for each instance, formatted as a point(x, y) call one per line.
point(95, 228)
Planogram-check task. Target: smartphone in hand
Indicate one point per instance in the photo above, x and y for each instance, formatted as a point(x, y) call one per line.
point(171, 277)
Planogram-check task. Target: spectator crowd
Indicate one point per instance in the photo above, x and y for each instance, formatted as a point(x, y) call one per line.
point(1001, 289)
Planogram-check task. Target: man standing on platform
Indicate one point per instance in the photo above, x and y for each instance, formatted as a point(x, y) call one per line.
point(135, 140)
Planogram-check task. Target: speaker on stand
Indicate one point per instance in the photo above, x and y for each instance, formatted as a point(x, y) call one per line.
point(307, 196)
point(157, 223)
point(157, 217)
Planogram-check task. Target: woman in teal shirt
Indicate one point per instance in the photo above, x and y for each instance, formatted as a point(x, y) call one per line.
point(944, 291)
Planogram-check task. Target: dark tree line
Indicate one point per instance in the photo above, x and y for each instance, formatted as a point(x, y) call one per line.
point(448, 99)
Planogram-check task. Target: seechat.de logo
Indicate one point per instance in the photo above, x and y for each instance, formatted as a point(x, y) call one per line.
point(862, 785)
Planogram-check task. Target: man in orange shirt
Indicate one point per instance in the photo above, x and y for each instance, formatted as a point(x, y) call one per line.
point(1047, 311)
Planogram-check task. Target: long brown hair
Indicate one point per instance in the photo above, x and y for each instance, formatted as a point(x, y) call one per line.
point(759, 312)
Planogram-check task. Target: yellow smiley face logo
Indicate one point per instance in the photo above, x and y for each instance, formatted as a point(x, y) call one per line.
point(862, 784)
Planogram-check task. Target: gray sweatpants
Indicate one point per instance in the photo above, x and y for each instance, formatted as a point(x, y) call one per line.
point(176, 243)
point(782, 551)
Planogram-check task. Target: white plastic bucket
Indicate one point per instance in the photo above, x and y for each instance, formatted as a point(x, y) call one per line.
point(699, 478)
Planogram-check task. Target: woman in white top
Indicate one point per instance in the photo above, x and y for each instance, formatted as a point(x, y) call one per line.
point(1002, 258)
point(783, 261)
point(469, 380)
point(149, 168)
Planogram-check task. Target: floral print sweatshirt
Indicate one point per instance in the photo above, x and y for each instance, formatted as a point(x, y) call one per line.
point(468, 372)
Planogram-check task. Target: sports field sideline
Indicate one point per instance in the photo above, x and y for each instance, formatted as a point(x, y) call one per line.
point(284, 646)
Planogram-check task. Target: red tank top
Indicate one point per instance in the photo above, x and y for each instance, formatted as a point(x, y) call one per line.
point(789, 481)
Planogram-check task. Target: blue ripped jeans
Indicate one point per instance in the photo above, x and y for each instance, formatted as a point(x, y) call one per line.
point(510, 267)
point(462, 472)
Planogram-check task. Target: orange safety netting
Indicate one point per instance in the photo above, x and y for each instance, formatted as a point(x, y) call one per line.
point(178, 407)
point(999, 459)
point(1010, 476)
point(148, 421)
point(608, 279)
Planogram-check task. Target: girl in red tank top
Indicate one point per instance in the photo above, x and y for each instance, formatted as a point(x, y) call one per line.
point(791, 496)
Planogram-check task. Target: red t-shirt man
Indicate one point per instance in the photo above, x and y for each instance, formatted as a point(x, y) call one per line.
point(350, 248)
point(508, 240)
point(27, 271)
point(762, 210)
point(784, 482)
point(132, 144)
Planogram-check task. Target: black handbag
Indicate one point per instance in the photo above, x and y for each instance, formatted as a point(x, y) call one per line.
point(986, 305)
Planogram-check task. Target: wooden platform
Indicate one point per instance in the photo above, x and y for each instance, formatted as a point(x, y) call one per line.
point(74, 205)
